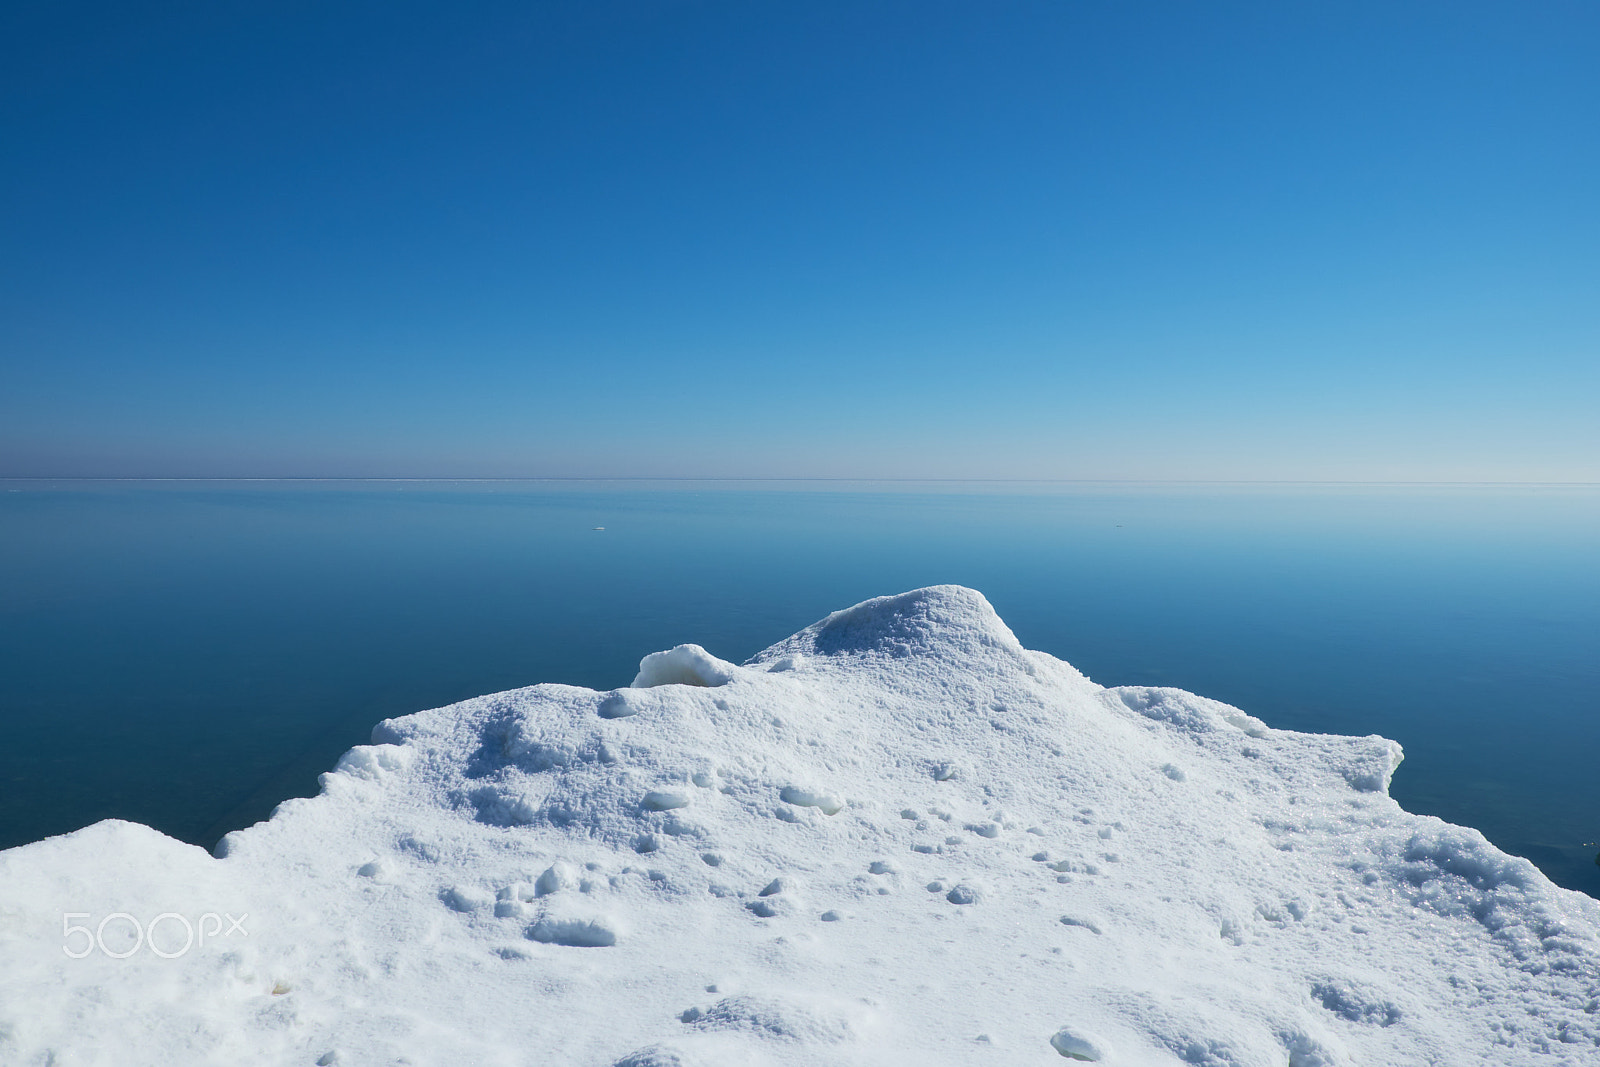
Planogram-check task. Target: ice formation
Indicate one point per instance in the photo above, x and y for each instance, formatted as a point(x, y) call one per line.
point(897, 837)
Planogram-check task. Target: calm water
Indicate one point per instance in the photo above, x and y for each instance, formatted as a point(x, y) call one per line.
point(189, 654)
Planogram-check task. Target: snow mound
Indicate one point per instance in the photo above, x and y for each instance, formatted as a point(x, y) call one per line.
point(942, 618)
point(895, 837)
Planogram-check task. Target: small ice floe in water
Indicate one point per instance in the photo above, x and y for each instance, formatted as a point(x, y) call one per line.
point(598, 529)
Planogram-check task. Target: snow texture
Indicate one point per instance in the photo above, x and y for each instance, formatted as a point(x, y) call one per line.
point(897, 837)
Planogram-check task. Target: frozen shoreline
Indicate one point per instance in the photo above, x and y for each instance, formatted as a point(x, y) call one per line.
point(894, 837)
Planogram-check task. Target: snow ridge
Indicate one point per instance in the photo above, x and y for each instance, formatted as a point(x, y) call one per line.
point(895, 837)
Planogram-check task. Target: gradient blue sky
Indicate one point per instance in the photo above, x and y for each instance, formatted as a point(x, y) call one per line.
point(920, 239)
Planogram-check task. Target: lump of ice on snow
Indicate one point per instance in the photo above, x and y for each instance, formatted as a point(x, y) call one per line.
point(1076, 1044)
point(962, 894)
point(807, 798)
point(684, 665)
point(556, 877)
point(664, 800)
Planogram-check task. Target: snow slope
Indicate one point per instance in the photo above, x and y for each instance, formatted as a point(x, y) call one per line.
point(897, 837)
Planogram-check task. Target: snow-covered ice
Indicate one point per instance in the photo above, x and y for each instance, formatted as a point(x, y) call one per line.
point(897, 837)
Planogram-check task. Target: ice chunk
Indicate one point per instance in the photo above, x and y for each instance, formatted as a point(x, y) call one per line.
point(1078, 1044)
point(808, 798)
point(665, 800)
point(684, 665)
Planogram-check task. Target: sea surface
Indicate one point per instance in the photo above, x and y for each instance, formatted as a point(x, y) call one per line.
point(189, 654)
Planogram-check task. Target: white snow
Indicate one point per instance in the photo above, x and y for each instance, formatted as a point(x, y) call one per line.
point(897, 837)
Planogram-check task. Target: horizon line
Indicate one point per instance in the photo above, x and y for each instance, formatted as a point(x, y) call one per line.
point(791, 478)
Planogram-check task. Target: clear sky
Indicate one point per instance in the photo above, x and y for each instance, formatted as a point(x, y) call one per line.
point(695, 238)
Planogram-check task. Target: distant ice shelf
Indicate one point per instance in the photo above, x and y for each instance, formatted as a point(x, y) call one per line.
point(897, 837)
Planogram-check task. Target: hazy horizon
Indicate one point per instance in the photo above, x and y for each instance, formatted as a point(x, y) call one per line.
point(803, 479)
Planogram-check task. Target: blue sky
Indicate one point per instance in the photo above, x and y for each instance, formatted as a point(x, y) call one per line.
point(921, 239)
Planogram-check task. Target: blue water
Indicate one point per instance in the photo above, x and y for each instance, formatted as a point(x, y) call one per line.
point(190, 654)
